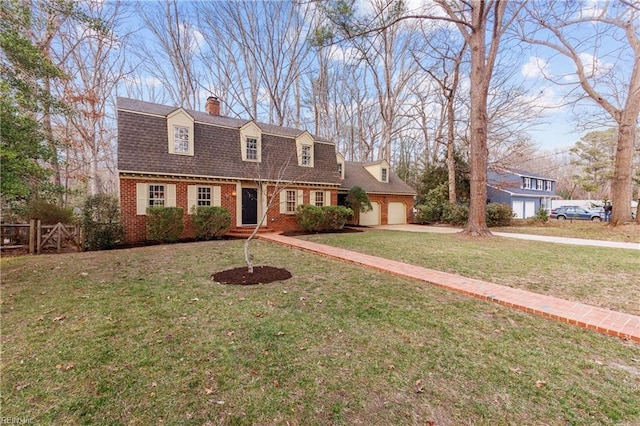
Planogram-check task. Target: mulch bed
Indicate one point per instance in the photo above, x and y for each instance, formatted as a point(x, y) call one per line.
point(260, 275)
point(263, 274)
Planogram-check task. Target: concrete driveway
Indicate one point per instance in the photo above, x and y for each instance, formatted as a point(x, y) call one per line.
point(557, 240)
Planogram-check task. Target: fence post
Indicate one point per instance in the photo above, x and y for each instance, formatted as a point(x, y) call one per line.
point(38, 236)
point(59, 229)
point(80, 237)
point(32, 236)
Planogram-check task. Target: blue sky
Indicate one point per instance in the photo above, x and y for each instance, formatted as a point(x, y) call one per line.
point(557, 129)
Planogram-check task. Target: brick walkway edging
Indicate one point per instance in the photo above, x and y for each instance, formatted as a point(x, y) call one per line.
point(602, 320)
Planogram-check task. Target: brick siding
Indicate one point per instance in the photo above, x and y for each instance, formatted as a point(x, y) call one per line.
point(135, 225)
point(384, 201)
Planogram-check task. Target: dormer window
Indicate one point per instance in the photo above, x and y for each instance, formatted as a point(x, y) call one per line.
point(180, 132)
point(547, 185)
point(539, 184)
point(251, 142)
point(340, 161)
point(305, 159)
point(304, 149)
point(181, 140)
point(526, 183)
point(379, 170)
point(252, 149)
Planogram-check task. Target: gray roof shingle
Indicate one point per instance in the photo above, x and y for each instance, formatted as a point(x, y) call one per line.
point(355, 174)
point(142, 147)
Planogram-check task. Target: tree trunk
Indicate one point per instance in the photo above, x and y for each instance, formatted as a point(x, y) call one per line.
point(479, 154)
point(451, 161)
point(51, 140)
point(621, 186)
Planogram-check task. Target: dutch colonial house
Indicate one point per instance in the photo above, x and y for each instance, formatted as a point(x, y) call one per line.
point(525, 192)
point(261, 173)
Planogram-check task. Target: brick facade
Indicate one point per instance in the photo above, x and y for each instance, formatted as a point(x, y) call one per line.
point(217, 157)
point(135, 225)
point(384, 201)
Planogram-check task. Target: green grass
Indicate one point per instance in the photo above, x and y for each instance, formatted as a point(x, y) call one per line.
point(143, 336)
point(629, 233)
point(599, 276)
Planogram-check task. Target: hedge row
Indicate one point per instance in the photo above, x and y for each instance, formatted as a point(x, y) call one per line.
point(326, 218)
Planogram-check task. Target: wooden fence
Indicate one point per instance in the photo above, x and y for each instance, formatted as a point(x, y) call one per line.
point(38, 238)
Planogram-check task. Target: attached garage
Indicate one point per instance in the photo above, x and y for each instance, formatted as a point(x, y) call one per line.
point(523, 209)
point(397, 213)
point(372, 217)
point(391, 198)
point(518, 208)
point(529, 209)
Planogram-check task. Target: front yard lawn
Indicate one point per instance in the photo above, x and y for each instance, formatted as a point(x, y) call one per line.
point(629, 233)
point(598, 276)
point(143, 336)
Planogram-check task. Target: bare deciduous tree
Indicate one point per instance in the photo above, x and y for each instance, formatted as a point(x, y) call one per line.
point(171, 55)
point(602, 40)
point(391, 69)
point(263, 45)
point(95, 64)
point(474, 19)
point(446, 59)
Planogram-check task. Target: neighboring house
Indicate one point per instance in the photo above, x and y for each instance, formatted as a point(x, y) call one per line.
point(175, 157)
point(525, 192)
point(391, 198)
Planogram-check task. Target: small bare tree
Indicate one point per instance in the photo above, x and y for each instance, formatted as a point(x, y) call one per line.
point(271, 179)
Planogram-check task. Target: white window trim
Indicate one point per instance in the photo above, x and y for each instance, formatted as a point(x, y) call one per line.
point(326, 198)
point(192, 196)
point(341, 166)
point(251, 131)
point(180, 119)
point(384, 174)
point(283, 200)
point(142, 196)
point(309, 155)
point(526, 184)
point(305, 140)
point(177, 140)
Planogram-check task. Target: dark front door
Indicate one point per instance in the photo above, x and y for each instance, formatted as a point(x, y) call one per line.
point(249, 206)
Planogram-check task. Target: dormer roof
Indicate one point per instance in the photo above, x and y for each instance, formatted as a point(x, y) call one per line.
point(357, 174)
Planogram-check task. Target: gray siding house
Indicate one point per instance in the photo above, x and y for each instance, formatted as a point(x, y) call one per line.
point(525, 192)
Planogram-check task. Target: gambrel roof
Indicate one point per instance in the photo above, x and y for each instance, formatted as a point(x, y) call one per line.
point(142, 148)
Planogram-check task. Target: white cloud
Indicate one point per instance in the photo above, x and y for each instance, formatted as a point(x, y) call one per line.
point(592, 66)
point(545, 101)
point(536, 67)
point(591, 9)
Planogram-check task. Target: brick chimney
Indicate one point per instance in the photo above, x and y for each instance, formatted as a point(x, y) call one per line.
point(212, 106)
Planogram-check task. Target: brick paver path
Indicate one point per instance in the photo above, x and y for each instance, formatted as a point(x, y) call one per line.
point(591, 317)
